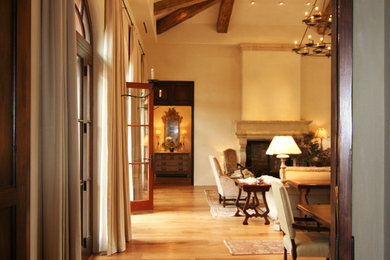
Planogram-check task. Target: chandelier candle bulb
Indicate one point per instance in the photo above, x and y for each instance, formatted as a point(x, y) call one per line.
point(151, 73)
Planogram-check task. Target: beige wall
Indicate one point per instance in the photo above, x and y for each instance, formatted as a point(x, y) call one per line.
point(216, 71)
point(186, 124)
point(316, 93)
point(370, 106)
point(35, 207)
point(270, 85)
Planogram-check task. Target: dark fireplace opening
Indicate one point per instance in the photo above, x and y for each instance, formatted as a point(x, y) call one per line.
point(258, 162)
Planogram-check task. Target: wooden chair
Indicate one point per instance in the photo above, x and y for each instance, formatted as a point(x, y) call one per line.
point(298, 244)
point(231, 162)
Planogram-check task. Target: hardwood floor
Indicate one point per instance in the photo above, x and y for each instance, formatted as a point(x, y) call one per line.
point(182, 227)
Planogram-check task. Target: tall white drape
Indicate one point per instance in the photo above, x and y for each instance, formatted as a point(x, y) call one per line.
point(114, 200)
point(135, 58)
point(59, 133)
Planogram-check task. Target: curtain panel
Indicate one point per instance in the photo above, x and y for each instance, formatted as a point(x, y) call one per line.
point(115, 222)
point(59, 163)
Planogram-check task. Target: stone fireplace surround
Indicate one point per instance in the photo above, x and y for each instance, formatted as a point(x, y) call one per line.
point(266, 130)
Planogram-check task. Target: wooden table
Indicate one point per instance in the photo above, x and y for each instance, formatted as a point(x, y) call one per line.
point(304, 187)
point(251, 190)
point(320, 212)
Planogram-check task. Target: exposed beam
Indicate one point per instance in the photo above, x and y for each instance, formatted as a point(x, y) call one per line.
point(166, 6)
point(225, 12)
point(179, 16)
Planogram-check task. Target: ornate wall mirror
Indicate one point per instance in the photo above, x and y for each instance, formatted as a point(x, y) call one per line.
point(172, 122)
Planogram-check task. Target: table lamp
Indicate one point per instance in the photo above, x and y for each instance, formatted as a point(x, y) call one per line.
point(283, 146)
point(321, 134)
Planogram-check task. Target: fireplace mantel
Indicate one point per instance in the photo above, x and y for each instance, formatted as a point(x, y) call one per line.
point(266, 130)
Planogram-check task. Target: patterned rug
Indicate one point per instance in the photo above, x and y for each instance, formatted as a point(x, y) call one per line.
point(254, 247)
point(216, 209)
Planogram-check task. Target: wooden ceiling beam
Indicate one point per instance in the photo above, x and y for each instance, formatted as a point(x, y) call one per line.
point(179, 16)
point(225, 12)
point(166, 6)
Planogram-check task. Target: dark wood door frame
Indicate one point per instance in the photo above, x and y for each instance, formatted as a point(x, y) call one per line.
point(341, 191)
point(15, 75)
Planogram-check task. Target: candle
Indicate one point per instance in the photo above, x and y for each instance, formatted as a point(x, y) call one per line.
point(151, 73)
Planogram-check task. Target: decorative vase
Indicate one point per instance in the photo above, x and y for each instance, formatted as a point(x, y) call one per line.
point(171, 149)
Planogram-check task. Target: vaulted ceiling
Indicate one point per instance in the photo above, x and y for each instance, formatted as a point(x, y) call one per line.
point(222, 21)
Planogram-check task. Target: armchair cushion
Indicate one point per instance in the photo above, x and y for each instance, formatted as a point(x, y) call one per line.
point(313, 244)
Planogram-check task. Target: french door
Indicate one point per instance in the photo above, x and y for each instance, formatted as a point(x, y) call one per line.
point(84, 116)
point(140, 145)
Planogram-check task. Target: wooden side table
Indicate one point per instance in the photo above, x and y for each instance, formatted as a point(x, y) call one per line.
point(251, 190)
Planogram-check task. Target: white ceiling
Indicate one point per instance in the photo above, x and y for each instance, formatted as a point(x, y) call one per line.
point(264, 22)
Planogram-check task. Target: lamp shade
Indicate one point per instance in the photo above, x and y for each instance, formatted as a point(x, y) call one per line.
point(321, 133)
point(283, 145)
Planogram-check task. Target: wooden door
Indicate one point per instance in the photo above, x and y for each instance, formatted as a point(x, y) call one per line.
point(140, 145)
point(14, 128)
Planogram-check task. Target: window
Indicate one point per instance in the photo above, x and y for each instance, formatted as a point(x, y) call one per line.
point(84, 117)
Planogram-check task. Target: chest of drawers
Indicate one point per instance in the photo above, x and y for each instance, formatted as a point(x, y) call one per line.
point(172, 164)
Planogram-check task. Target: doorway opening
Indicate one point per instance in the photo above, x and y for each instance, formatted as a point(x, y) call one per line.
point(173, 132)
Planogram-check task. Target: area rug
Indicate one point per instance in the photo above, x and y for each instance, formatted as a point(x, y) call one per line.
point(254, 247)
point(216, 209)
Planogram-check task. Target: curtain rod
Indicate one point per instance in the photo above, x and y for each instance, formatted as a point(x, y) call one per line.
point(127, 11)
point(142, 49)
point(132, 24)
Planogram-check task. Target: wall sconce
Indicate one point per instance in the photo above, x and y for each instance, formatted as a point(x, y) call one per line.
point(183, 134)
point(158, 133)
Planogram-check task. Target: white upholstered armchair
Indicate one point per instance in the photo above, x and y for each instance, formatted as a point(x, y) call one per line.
point(227, 189)
point(298, 244)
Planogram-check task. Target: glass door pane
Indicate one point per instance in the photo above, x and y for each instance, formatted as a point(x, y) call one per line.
point(140, 111)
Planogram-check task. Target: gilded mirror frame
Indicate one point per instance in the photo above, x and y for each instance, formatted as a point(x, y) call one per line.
point(171, 116)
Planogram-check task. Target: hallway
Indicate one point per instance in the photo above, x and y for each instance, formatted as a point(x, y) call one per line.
point(182, 227)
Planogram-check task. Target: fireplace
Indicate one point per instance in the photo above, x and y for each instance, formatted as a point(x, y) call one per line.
point(258, 162)
point(255, 136)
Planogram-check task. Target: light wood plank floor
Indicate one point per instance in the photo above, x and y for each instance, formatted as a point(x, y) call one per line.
point(181, 227)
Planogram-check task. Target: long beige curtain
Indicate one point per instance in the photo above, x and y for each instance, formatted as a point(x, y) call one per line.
point(115, 227)
point(59, 162)
point(135, 58)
